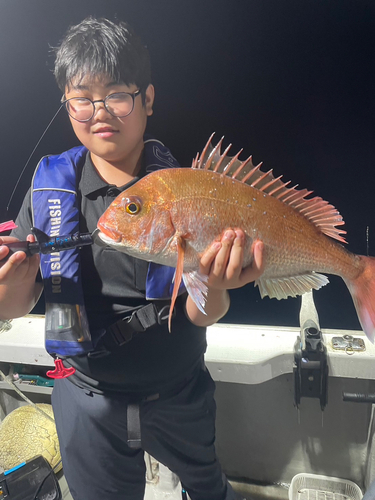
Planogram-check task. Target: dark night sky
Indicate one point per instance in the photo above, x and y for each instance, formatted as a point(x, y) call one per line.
point(290, 81)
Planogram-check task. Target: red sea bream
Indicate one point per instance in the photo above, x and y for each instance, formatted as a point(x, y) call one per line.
point(172, 216)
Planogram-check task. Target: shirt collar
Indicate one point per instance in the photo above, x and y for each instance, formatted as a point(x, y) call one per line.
point(91, 181)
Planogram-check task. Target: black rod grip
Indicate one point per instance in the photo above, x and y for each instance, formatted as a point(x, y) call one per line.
point(357, 397)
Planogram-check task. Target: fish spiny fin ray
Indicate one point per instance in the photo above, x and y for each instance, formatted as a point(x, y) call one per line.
point(292, 286)
point(177, 277)
point(196, 287)
point(316, 210)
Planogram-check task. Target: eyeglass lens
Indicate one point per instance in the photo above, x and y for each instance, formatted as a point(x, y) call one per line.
point(82, 109)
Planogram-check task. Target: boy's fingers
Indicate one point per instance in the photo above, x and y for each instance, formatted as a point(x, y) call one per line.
point(225, 259)
point(258, 263)
point(236, 253)
point(223, 255)
point(3, 252)
point(209, 256)
point(9, 268)
point(16, 259)
point(254, 271)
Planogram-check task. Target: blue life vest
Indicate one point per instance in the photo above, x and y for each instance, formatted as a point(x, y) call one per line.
point(56, 208)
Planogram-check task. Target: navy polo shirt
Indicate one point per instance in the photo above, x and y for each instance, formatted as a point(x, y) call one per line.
point(114, 285)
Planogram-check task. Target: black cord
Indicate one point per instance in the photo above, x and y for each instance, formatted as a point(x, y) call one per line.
point(35, 497)
point(44, 480)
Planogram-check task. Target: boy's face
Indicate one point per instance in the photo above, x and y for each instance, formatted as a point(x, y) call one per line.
point(114, 139)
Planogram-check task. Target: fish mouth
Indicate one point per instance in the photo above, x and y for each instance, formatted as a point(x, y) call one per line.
point(108, 234)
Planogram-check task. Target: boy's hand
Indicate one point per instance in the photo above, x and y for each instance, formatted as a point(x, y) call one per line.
point(223, 261)
point(18, 268)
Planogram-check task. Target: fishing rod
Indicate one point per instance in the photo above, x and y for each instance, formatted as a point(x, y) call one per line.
point(46, 245)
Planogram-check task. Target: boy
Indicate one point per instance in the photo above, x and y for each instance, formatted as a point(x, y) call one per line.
point(148, 390)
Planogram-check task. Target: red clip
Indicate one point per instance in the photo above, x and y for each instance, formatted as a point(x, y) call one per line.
point(7, 226)
point(60, 371)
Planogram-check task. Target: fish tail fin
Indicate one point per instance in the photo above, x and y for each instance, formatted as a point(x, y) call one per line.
point(362, 290)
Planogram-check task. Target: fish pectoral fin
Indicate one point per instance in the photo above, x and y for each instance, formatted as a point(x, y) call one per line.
point(291, 286)
point(196, 287)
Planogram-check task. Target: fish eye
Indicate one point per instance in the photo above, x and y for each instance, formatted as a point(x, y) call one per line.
point(133, 208)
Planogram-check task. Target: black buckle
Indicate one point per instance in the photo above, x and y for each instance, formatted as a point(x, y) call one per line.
point(124, 330)
point(140, 320)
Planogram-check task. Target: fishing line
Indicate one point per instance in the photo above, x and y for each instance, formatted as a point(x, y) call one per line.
point(29, 158)
point(367, 240)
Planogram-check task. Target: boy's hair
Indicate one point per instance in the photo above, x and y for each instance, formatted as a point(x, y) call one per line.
point(98, 47)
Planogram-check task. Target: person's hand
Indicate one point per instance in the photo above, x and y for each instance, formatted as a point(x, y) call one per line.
point(18, 268)
point(223, 261)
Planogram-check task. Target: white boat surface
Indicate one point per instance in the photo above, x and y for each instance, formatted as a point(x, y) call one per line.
point(263, 439)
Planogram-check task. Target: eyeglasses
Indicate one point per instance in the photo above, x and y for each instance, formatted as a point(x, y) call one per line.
point(82, 109)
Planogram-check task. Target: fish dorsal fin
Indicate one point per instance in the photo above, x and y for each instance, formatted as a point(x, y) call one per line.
point(316, 210)
point(291, 286)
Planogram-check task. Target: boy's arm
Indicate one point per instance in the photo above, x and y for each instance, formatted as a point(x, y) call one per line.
point(222, 262)
point(19, 291)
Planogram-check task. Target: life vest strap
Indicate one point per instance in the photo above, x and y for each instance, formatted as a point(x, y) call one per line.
point(123, 331)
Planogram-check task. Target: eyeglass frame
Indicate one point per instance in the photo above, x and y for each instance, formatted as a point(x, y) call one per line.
point(132, 94)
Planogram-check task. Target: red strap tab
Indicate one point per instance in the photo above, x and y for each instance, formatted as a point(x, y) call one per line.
point(6, 226)
point(60, 371)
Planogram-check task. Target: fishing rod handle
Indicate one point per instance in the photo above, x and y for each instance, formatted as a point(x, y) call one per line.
point(21, 246)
